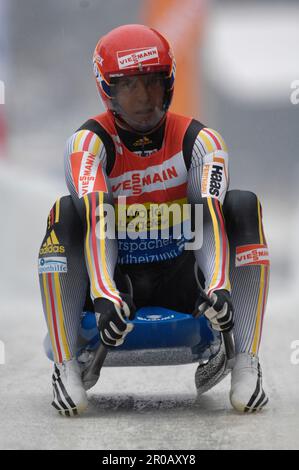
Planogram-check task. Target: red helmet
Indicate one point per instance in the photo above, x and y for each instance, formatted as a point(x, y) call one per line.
point(130, 50)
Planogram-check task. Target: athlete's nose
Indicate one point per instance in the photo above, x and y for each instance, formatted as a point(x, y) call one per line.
point(142, 92)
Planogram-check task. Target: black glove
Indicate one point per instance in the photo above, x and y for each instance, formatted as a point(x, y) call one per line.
point(219, 310)
point(112, 320)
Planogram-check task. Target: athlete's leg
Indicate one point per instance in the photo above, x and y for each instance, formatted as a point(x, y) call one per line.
point(63, 282)
point(249, 267)
point(249, 274)
point(63, 277)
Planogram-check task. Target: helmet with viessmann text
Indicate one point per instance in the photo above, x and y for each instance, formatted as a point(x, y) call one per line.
point(126, 53)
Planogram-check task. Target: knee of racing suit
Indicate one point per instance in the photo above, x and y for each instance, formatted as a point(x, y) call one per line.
point(64, 229)
point(242, 213)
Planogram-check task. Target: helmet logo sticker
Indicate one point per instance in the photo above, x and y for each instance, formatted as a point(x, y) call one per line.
point(134, 57)
point(100, 60)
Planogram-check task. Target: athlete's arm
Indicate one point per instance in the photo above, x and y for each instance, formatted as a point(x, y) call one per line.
point(86, 178)
point(207, 184)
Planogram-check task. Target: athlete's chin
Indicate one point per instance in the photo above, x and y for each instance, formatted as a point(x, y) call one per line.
point(147, 120)
point(145, 117)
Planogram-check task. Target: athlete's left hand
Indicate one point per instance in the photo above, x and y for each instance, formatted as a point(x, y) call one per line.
point(219, 310)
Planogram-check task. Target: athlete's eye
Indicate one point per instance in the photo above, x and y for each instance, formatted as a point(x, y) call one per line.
point(153, 80)
point(125, 82)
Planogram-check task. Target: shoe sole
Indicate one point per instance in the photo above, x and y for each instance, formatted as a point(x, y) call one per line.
point(70, 412)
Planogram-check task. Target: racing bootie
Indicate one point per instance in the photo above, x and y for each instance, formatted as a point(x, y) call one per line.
point(247, 394)
point(70, 398)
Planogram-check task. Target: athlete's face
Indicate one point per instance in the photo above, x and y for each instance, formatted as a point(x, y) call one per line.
point(139, 100)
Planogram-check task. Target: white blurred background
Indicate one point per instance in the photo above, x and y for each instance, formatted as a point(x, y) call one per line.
point(243, 57)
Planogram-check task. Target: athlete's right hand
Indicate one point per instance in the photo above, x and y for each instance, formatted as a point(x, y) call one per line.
point(112, 320)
